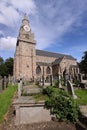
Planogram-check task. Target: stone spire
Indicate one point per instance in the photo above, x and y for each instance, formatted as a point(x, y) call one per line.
point(25, 25)
point(25, 20)
point(25, 33)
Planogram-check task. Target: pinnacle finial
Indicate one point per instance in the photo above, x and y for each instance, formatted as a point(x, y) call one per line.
point(25, 20)
point(25, 17)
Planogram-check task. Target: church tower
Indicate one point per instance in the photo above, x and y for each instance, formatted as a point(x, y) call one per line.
point(25, 54)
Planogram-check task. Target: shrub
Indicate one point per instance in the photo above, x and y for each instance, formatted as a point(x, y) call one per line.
point(62, 81)
point(37, 82)
point(48, 90)
point(56, 83)
point(77, 82)
point(63, 106)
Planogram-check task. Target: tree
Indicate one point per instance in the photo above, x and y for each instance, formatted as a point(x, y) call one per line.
point(9, 66)
point(6, 67)
point(3, 70)
point(1, 60)
point(83, 63)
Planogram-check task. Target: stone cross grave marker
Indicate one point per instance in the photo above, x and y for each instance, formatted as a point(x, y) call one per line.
point(71, 89)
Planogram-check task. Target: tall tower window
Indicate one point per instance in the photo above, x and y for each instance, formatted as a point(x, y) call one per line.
point(48, 71)
point(27, 36)
point(38, 70)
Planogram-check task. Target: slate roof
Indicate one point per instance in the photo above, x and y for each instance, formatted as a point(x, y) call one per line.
point(43, 63)
point(57, 61)
point(51, 54)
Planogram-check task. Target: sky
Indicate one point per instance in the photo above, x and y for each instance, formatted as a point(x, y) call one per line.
point(58, 25)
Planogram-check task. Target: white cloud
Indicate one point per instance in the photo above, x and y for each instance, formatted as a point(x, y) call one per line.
point(8, 43)
point(8, 16)
point(54, 19)
point(24, 6)
point(1, 34)
point(49, 20)
point(10, 10)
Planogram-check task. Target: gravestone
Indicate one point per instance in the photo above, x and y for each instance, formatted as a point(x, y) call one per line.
point(7, 81)
point(51, 80)
point(71, 89)
point(80, 77)
point(82, 85)
point(19, 87)
point(9, 78)
point(13, 80)
point(0, 83)
point(70, 78)
point(66, 77)
point(3, 83)
point(59, 81)
point(5, 78)
point(41, 82)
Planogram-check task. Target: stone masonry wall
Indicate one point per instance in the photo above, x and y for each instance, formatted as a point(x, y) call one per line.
point(25, 60)
point(66, 63)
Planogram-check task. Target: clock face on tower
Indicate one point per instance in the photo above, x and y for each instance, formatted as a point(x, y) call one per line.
point(26, 28)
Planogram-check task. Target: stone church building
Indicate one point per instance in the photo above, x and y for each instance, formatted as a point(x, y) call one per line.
point(32, 64)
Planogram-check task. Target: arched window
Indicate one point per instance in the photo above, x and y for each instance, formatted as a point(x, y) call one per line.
point(38, 70)
point(48, 71)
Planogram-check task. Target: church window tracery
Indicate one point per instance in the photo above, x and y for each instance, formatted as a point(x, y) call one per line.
point(48, 71)
point(38, 70)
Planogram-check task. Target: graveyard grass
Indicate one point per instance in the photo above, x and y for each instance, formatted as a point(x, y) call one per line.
point(6, 100)
point(82, 96)
point(39, 97)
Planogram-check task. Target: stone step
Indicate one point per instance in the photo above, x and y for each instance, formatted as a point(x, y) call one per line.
point(27, 111)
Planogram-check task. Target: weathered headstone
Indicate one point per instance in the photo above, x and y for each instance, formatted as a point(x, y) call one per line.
point(19, 87)
point(7, 81)
point(3, 83)
point(70, 78)
point(71, 89)
point(80, 77)
point(9, 78)
point(66, 77)
point(5, 78)
point(0, 83)
point(82, 85)
point(41, 82)
point(51, 79)
point(59, 81)
point(13, 80)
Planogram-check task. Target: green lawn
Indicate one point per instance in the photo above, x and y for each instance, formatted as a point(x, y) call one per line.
point(82, 96)
point(6, 100)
